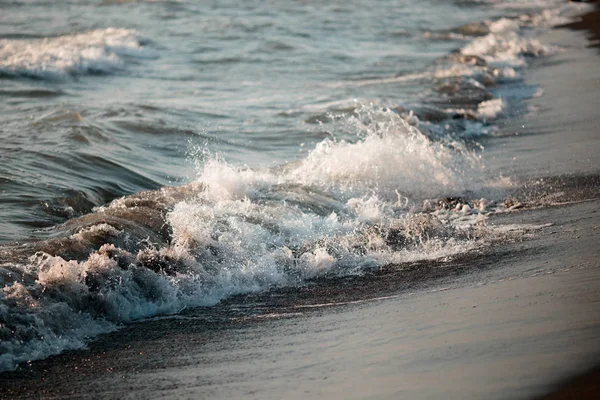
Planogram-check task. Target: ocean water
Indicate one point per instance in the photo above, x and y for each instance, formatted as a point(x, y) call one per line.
point(161, 155)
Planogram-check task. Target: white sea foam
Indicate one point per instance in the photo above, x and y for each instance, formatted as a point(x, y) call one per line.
point(506, 50)
point(99, 51)
point(391, 155)
point(506, 44)
point(490, 109)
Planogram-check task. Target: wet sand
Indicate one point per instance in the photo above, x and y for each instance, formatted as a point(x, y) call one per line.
point(518, 320)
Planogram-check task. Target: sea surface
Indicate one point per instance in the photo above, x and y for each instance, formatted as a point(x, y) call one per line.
point(162, 155)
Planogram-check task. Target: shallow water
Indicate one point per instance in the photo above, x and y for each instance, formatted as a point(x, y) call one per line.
point(308, 139)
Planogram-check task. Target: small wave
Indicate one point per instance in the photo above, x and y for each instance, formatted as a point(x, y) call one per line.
point(506, 49)
point(498, 49)
point(102, 51)
point(476, 79)
point(480, 78)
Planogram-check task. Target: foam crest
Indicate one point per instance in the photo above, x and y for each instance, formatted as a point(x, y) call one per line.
point(101, 51)
point(389, 156)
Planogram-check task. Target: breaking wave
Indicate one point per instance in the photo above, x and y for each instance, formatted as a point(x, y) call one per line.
point(379, 196)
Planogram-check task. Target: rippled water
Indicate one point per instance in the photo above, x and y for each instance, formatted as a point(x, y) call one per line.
point(307, 138)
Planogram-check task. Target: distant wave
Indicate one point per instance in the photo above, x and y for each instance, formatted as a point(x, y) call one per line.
point(102, 51)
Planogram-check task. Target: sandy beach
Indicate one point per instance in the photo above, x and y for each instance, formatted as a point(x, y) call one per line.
point(517, 320)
